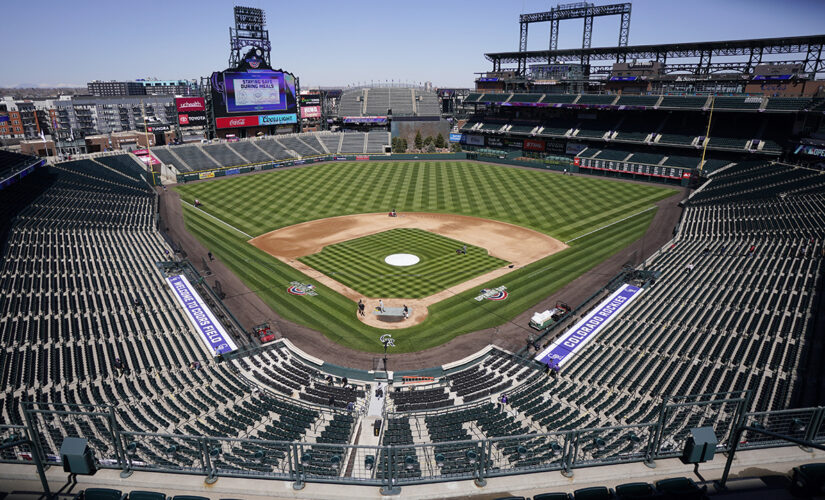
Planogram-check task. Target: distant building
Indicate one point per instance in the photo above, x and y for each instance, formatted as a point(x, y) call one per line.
point(169, 87)
point(113, 88)
point(142, 87)
point(91, 115)
point(22, 119)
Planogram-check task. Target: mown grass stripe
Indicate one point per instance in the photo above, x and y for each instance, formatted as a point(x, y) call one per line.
point(564, 207)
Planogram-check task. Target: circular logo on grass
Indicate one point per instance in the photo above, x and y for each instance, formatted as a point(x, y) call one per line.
point(499, 293)
point(298, 288)
point(402, 259)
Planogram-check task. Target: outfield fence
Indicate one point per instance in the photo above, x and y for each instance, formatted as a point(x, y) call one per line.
point(392, 466)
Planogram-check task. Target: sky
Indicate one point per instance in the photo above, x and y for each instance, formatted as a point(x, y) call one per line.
point(337, 43)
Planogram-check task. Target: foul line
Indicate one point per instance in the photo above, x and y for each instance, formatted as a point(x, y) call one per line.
point(217, 219)
point(612, 223)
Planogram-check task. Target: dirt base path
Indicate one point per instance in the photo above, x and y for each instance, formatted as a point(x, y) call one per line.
point(251, 310)
point(517, 245)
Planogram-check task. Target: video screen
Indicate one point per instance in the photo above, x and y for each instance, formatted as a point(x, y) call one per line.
point(263, 91)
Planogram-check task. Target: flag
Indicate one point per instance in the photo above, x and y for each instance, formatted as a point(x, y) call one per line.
point(42, 137)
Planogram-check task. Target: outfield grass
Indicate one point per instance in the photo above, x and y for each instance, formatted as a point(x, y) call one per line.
point(564, 207)
point(359, 263)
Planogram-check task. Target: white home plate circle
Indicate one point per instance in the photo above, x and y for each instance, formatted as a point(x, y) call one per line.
point(401, 259)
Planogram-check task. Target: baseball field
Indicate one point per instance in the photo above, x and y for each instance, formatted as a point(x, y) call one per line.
point(585, 220)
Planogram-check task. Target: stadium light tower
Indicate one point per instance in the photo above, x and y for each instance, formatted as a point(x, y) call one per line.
point(580, 10)
point(249, 31)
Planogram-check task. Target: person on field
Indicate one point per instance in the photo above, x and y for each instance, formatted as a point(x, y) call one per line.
point(406, 312)
point(360, 307)
point(380, 305)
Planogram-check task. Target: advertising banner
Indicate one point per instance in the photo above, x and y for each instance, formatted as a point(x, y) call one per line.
point(310, 111)
point(455, 137)
point(365, 119)
point(533, 145)
point(237, 121)
point(555, 147)
point(810, 150)
point(277, 119)
point(190, 104)
point(474, 140)
point(310, 99)
point(561, 351)
point(192, 119)
point(191, 111)
point(206, 175)
point(212, 332)
point(147, 158)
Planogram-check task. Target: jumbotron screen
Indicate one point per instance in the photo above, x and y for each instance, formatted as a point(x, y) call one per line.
point(254, 98)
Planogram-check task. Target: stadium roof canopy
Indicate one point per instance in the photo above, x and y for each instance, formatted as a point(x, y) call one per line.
point(810, 47)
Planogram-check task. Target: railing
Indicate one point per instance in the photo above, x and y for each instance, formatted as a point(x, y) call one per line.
point(392, 466)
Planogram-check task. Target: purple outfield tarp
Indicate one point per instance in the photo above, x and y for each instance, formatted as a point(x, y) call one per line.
point(561, 351)
point(212, 332)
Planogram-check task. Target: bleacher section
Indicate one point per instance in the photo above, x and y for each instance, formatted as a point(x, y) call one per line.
point(637, 100)
point(84, 303)
point(526, 98)
point(787, 103)
point(494, 98)
point(596, 99)
point(331, 141)
point(11, 162)
point(294, 143)
point(351, 103)
point(753, 180)
point(376, 141)
point(737, 103)
point(250, 151)
point(194, 157)
point(427, 103)
point(353, 143)
point(695, 102)
point(223, 154)
point(274, 148)
point(379, 101)
point(278, 148)
point(167, 158)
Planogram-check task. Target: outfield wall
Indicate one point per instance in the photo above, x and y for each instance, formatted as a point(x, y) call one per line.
point(558, 164)
point(243, 169)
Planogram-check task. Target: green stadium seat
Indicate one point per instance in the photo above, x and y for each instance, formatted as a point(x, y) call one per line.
point(146, 495)
point(680, 487)
point(808, 479)
point(552, 496)
point(559, 98)
point(634, 491)
point(526, 98)
point(593, 493)
point(102, 494)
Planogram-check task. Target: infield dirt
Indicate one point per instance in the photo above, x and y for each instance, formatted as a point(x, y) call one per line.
point(517, 245)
